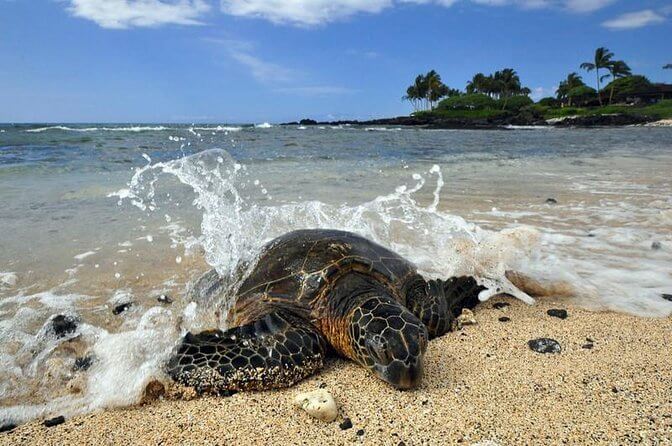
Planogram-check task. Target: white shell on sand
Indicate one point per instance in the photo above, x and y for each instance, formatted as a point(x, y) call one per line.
point(318, 404)
point(466, 318)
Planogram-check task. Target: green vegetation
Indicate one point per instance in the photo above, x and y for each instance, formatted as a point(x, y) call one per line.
point(502, 95)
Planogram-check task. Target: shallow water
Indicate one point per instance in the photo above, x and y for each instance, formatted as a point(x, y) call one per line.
point(95, 216)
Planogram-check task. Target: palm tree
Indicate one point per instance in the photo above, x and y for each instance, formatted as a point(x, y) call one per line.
point(434, 88)
point(617, 68)
point(412, 96)
point(427, 89)
point(478, 84)
point(508, 84)
point(602, 60)
point(573, 80)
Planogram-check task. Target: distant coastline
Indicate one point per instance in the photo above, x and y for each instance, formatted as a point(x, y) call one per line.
point(497, 123)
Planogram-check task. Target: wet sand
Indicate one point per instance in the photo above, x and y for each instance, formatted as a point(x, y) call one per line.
point(483, 385)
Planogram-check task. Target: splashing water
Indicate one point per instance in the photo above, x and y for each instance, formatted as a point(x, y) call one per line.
point(238, 218)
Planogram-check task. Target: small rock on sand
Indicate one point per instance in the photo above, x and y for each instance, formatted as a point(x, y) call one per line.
point(54, 421)
point(656, 246)
point(63, 325)
point(667, 297)
point(165, 299)
point(7, 427)
point(504, 319)
point(121, 308)
point(500, 305)
point(544, 345)
point(551, 201)
point(560, 314)
point(346, 424)
point(318, 404)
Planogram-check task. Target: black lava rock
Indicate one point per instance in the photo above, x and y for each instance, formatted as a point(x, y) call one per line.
point(551, 201)
point(121, 308)
point(561, 314)
point(54, 421)
point(504, 319)
point(587, 346)
point(500, 305)
point(360, 432)
point(667, 297)
point(82, 364)
point(544, 345)
point(63, 325)
point(346, 424)
point(656, 246)
point(307, 122)
point(7, 427)
point(165, 299)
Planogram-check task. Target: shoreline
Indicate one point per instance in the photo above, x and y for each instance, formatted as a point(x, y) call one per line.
point(436, 122)
point(610, 385)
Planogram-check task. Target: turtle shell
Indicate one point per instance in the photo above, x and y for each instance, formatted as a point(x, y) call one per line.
point(297, 270)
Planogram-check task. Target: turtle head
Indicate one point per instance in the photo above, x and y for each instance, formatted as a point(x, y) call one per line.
point(390, 341)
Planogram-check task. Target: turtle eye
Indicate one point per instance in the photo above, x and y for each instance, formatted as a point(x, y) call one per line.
point(377, 346)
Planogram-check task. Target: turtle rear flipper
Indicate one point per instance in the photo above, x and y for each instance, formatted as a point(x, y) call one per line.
point(462, 292)
point(275, 351)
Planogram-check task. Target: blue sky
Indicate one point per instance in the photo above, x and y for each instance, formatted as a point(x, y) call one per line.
point(279, 60)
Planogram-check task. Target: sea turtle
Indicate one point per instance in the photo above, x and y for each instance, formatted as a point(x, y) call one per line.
point(318, 291)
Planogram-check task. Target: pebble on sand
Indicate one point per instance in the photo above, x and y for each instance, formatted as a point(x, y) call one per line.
point(500, 305)
point(63, 325)
point(7, 427)
point(544, 345)
point(165, 299)
point(83, 364)
point(551, 201)
point(560, 314)
point(121, 308)
point(318, 404)
point(656, 246)
point(346, 424)
point(504, 319)
point(54, 421)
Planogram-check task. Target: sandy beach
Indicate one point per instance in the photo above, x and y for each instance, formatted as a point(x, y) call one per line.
point(483, 385)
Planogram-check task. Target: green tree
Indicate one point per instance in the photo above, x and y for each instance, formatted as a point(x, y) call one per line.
point(617, 69)
point(507, 83)
point(602, 60)
point(629, 85)
point(573, 80)
point(581, 94)
point(427, 90)
point(477, 84)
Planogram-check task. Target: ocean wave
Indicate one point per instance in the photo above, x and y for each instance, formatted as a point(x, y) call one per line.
point(219, 128)
point(98, 129)
point(263, 125)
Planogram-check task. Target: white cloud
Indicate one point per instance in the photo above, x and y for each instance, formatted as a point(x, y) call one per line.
point(587, 5)
point(634, 20)
point(302, 12)
point(120, 14)
point(152, 13)
point(542, 92)
point(316, 90)
point(263, 71)
point(317, 12)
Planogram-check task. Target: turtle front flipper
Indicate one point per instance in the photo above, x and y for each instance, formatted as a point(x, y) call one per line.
point(275, 351)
